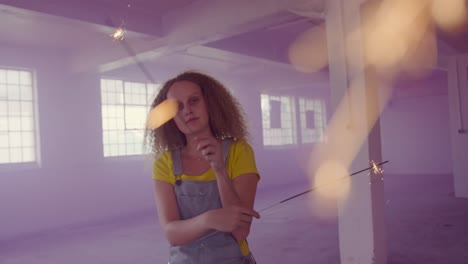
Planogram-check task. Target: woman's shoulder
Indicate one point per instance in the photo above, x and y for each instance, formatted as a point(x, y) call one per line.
point(240, 145)
point(164, 157)
point(240, 142)
point(162, 167)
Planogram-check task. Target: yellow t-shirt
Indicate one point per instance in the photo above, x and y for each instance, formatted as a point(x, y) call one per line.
point(240, 160)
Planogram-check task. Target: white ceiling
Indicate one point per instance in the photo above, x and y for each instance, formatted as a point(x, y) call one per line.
point(159, 33)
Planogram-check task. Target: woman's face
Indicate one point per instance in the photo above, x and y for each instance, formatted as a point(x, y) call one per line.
point(192, 117)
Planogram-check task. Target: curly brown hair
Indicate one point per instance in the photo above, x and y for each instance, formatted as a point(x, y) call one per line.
point(226, 117)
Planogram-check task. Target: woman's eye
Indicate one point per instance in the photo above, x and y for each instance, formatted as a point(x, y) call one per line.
point(194, 100)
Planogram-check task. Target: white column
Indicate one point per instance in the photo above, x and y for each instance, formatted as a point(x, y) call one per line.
point(362, 235)
point(458, 103)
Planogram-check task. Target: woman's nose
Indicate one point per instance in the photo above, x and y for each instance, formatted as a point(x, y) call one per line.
point(186, 110)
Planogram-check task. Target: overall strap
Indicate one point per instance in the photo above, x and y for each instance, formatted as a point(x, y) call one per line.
point(176, 162)
point(226, 145)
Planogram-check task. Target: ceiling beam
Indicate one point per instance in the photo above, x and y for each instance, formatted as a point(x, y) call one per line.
point(241, 61)
point(198, 23)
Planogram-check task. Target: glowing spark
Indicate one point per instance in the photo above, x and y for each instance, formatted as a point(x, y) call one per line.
point(375, 168)
point(119, 33)
point(162, 113)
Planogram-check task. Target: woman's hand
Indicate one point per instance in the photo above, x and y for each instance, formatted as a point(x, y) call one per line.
point(212, 151)
point(241, 233)
point(231, 219)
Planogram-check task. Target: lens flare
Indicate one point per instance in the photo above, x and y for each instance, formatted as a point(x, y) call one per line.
point(331, 180)
point(162, 113)
point(450, 15)
point(309, 52)
point(395, 33)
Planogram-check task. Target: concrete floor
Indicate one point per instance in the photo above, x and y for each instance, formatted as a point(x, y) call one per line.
point(425, 224)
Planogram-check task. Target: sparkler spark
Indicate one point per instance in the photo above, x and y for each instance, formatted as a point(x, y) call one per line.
point(119, 33)
point(375, 167)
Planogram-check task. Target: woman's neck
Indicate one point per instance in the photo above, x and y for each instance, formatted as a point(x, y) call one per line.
point(192, 141)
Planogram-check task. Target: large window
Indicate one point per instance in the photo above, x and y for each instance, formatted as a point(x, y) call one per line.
point(125, 106)
point(313, 120)
point(279, 120)
point(17, 116)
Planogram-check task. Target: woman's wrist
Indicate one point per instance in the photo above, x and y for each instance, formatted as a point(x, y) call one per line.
point(220, 171)
point(206, 220)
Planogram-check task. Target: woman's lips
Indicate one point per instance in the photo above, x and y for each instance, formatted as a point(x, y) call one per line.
point(191, 119)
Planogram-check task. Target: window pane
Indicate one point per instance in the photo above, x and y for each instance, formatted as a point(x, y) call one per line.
point(114, 98)
point(15, 139)
point(27, 139)
point(2, 76)
point(124, 111)
point(112, 124)
point(27, 109)
point(26, 93)
point(105, 137)
point(16, 115)
point(13, 92)
point(121, 137)
point(25, 78)
point(4, 140)
point(114, 150)
point(152, 91)
point(4, 155)
point(3, 123)
point(15, 155)
point(278, 119)
point(312, 120)
point(14, 123)
point(119, 124)
point(105, 123)
point(12, 77)
point(139, 137)
point(104, 98)
point(3, 92)
point(129, 137)
point(29, 155)
point(111, 110)
point(119, 112)
point(3, 108)
point(14, 108)
point(106, 151)
point(121, 150)
point(113, 137)
point(135, 117)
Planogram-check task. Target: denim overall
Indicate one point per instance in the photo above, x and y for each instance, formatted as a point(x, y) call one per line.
point(194, 198)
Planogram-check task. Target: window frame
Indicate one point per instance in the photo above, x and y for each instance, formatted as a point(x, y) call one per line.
point(35, 163)
point(149, 96)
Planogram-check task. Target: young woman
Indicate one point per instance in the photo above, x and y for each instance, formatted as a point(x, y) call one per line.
point(205, 176)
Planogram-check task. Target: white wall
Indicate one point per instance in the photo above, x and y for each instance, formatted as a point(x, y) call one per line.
point(415, 129)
